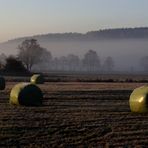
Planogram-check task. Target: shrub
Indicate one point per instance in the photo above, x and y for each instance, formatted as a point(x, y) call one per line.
point(13, 65)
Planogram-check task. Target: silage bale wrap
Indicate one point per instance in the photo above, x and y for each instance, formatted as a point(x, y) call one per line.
point(26, 94)
point(37, 79)
point(2, 83)
point(139, 100)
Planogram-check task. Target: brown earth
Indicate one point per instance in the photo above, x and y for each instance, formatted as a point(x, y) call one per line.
point(74, 114)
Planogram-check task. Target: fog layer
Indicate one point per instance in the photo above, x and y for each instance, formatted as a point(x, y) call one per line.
point(126, 53)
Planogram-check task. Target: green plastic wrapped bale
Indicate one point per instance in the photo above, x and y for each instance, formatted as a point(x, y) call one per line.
point(139, 100)
point(37, 79)
point(26, 94)
point(2, 83)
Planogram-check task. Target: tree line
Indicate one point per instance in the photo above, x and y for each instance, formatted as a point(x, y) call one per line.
point(31, 56)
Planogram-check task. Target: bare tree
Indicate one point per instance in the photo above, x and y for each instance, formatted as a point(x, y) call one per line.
point(55, 64)
point(144, 63)
point(30, 53)
point(3, 58)
point(91, 61)
point(63, 62)
point(73, 62)
point(45, 60)
point(108, 64)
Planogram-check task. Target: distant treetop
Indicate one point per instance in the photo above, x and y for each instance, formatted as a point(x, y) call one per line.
point(117, 33)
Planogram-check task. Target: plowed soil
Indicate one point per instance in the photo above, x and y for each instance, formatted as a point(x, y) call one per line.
point(74, 114)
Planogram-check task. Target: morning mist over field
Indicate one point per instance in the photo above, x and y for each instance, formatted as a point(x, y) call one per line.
point(116, 28)
point(126, 52)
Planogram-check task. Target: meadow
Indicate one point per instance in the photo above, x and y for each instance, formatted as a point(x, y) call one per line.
point(77, 111)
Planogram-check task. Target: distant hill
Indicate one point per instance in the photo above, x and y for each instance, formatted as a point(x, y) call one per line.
point(126, 45)
point(121, 33)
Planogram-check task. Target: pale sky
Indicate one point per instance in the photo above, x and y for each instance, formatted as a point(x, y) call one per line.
point(30, 17)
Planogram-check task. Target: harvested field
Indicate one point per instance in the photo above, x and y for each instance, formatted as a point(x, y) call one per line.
point(74, 114)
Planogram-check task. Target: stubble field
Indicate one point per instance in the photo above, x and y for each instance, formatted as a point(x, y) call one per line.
point(74, 114)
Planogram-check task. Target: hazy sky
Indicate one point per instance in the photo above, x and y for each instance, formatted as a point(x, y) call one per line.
point(29, 17)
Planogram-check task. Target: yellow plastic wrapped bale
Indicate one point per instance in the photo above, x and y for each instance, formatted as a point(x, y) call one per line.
point(26, 94)
point(37, 79)
point(139, 100)
point(2, 83)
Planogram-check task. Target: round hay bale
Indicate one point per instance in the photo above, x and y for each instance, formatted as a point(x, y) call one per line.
point(2, 83)
point(26, 94)
point(139, 100)
point(37, 79)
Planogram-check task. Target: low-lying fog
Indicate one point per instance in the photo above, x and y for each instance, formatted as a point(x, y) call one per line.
point(126, 53)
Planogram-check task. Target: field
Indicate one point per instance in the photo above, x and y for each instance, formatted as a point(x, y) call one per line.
point(74, 114)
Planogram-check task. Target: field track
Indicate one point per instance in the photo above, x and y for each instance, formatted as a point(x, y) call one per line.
point(74, 114)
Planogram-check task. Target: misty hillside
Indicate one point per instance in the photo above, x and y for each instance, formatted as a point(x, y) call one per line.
point(123, 33)
point(126, 46)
